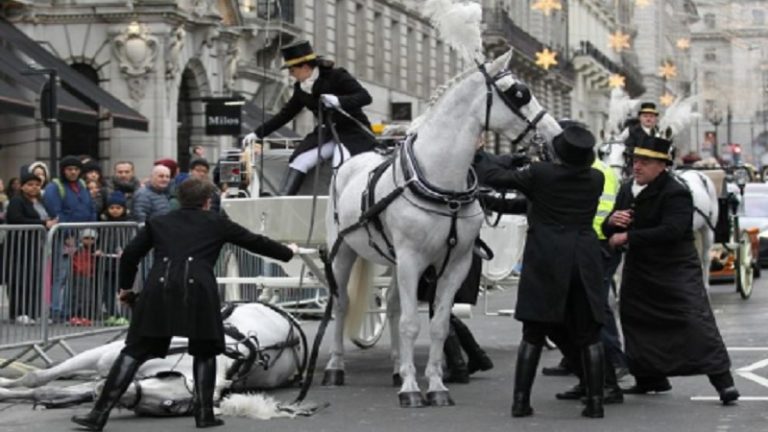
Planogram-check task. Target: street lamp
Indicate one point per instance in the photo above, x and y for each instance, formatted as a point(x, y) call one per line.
point(715, 117)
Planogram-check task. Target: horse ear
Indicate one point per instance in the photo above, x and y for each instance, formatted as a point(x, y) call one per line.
point(500, 62)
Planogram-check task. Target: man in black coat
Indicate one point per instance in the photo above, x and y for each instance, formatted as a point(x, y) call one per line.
point(669, 328)
point(180, 296)
point(559, 294)
point(317, 81)
point(648, 117)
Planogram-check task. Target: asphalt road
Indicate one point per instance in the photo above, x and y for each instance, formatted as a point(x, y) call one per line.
point(369, 403)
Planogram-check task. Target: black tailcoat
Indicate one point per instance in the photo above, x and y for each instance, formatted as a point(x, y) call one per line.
point(562, 201)
point(636, 136)
point(180, 295)
point(352, 98)
point(669, 328)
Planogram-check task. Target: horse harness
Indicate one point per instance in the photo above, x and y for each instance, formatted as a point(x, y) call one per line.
point(682, 181)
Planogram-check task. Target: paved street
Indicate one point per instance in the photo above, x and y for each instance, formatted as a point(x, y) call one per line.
point(369, 403)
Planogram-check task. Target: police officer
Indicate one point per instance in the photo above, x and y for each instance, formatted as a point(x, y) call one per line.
point(669, 328)
point(317, 81)
point(180, 297)
point(560, 292)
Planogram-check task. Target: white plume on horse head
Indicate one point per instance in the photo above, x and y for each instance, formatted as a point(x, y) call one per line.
point(678, 116)
point(620, 108)
point(458, 23)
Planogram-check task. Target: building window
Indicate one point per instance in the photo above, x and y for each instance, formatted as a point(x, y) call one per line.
point(396, 55)
point(758, 17)
point(426, 65)
point(710, 55)
point(439, 63)
point(361, 42)
point(709, 79)
point(341, 32)
point(321, 36)
point(709, 20)
point(412, 60)
point(378, 47)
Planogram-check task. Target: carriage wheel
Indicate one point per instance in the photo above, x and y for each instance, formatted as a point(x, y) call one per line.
point(743, 266)
point(375, 320)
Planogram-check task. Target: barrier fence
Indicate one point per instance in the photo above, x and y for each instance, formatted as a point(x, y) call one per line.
point(61, 284)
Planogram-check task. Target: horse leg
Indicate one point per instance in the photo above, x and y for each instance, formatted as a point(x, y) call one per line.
point(408, 273)
point(393, 320)
point(342, 268)
point(707, 240)
point(52, 396)
point(447, 285)
point(87, 360)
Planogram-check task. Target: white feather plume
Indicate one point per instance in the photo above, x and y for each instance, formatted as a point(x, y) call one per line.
point(620, 108)
point(458, 24)
point(678, 116)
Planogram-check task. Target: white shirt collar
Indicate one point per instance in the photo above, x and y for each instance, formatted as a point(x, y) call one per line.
point(307, 84)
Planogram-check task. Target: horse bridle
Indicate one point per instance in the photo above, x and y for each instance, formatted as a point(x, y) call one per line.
point(514, 98)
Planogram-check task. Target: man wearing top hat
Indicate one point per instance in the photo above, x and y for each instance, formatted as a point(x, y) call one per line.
point(317, 81)
point(648, 117)
point(669, 328)
point(560, 290)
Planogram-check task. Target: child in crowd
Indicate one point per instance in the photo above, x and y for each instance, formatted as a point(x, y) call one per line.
point(84, 273)
point(116, 209)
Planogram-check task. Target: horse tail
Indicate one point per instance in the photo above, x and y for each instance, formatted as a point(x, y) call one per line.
point(358, 289)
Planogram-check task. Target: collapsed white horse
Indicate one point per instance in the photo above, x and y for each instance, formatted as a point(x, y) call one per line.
point(266, 349)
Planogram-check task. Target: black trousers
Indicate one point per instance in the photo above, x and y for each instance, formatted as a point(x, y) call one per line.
point(157, 347)
point(578, 329)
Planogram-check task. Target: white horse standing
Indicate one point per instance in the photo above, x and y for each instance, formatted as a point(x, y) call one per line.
point(702, 189)
point(163, 387)
point(418, 229)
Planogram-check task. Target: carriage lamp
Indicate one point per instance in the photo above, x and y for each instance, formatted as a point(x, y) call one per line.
point(741, 177)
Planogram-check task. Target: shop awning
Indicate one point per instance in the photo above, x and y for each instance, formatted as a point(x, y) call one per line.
point(12, 100)
point(122, 115)
point(12, 74)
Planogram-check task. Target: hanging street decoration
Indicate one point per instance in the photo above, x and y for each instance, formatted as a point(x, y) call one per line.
point(642, 3)
point(666, 99)
point(546, 58)
point(618, 41)
point(683, 43)
point(617, 81)
point(667, 70)
point(547, 6)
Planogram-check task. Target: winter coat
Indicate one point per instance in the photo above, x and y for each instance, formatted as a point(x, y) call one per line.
point(74, 206)
point(180, 295)
point(669, 328)
point(352, 98)
point(150, 202)
point(562, 201)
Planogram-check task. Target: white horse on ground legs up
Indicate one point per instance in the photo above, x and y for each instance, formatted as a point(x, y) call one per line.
point(435, 220)
point(702, 189)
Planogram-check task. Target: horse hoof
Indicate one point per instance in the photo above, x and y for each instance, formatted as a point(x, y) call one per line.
point(440, 398)
point(333, 377)
point(411, 399)
point(397, 380)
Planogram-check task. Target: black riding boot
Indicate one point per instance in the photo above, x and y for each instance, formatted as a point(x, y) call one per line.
point(204, 369)
point(291, 182)
point(525, 371)
point(119, 378)
point(478, 359)
point(454, 359)
point(593, 360)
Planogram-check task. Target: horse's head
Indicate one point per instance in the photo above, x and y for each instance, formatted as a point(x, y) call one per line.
point(512, 110)
point(614, 154)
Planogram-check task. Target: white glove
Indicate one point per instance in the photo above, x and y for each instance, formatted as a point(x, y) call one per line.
point(251, 138)
point(330, 100)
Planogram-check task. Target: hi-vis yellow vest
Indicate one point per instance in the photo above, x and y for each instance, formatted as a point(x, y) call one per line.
point(607, 199)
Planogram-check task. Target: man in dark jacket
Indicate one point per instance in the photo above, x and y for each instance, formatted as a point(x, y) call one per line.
point(560, 286)
point(317, 81)
point(180, 296)
point(669, 328)
point(648, 116)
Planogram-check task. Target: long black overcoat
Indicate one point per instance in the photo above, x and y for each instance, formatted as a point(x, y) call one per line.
point(180, 295)
point(562, 201)
point(669, 328)
point(636, 135)
point(352, 98)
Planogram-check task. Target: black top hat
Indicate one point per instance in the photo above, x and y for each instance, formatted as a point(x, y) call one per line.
point(648, 108)
point(297, 53)
point(574, 146)
point(654, 148)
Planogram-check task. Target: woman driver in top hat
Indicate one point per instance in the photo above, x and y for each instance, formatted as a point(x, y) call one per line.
point(317, 81)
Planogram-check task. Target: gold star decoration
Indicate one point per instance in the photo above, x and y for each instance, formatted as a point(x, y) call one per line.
point(546, 58)
point(618, 41)
point(667, 70)
point(617, 81)
point(642, 3)
point(666, 99)
point(683, 43)
point(547, 6)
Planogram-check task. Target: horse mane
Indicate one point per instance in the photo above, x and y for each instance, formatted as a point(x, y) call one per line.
point(437, 94)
